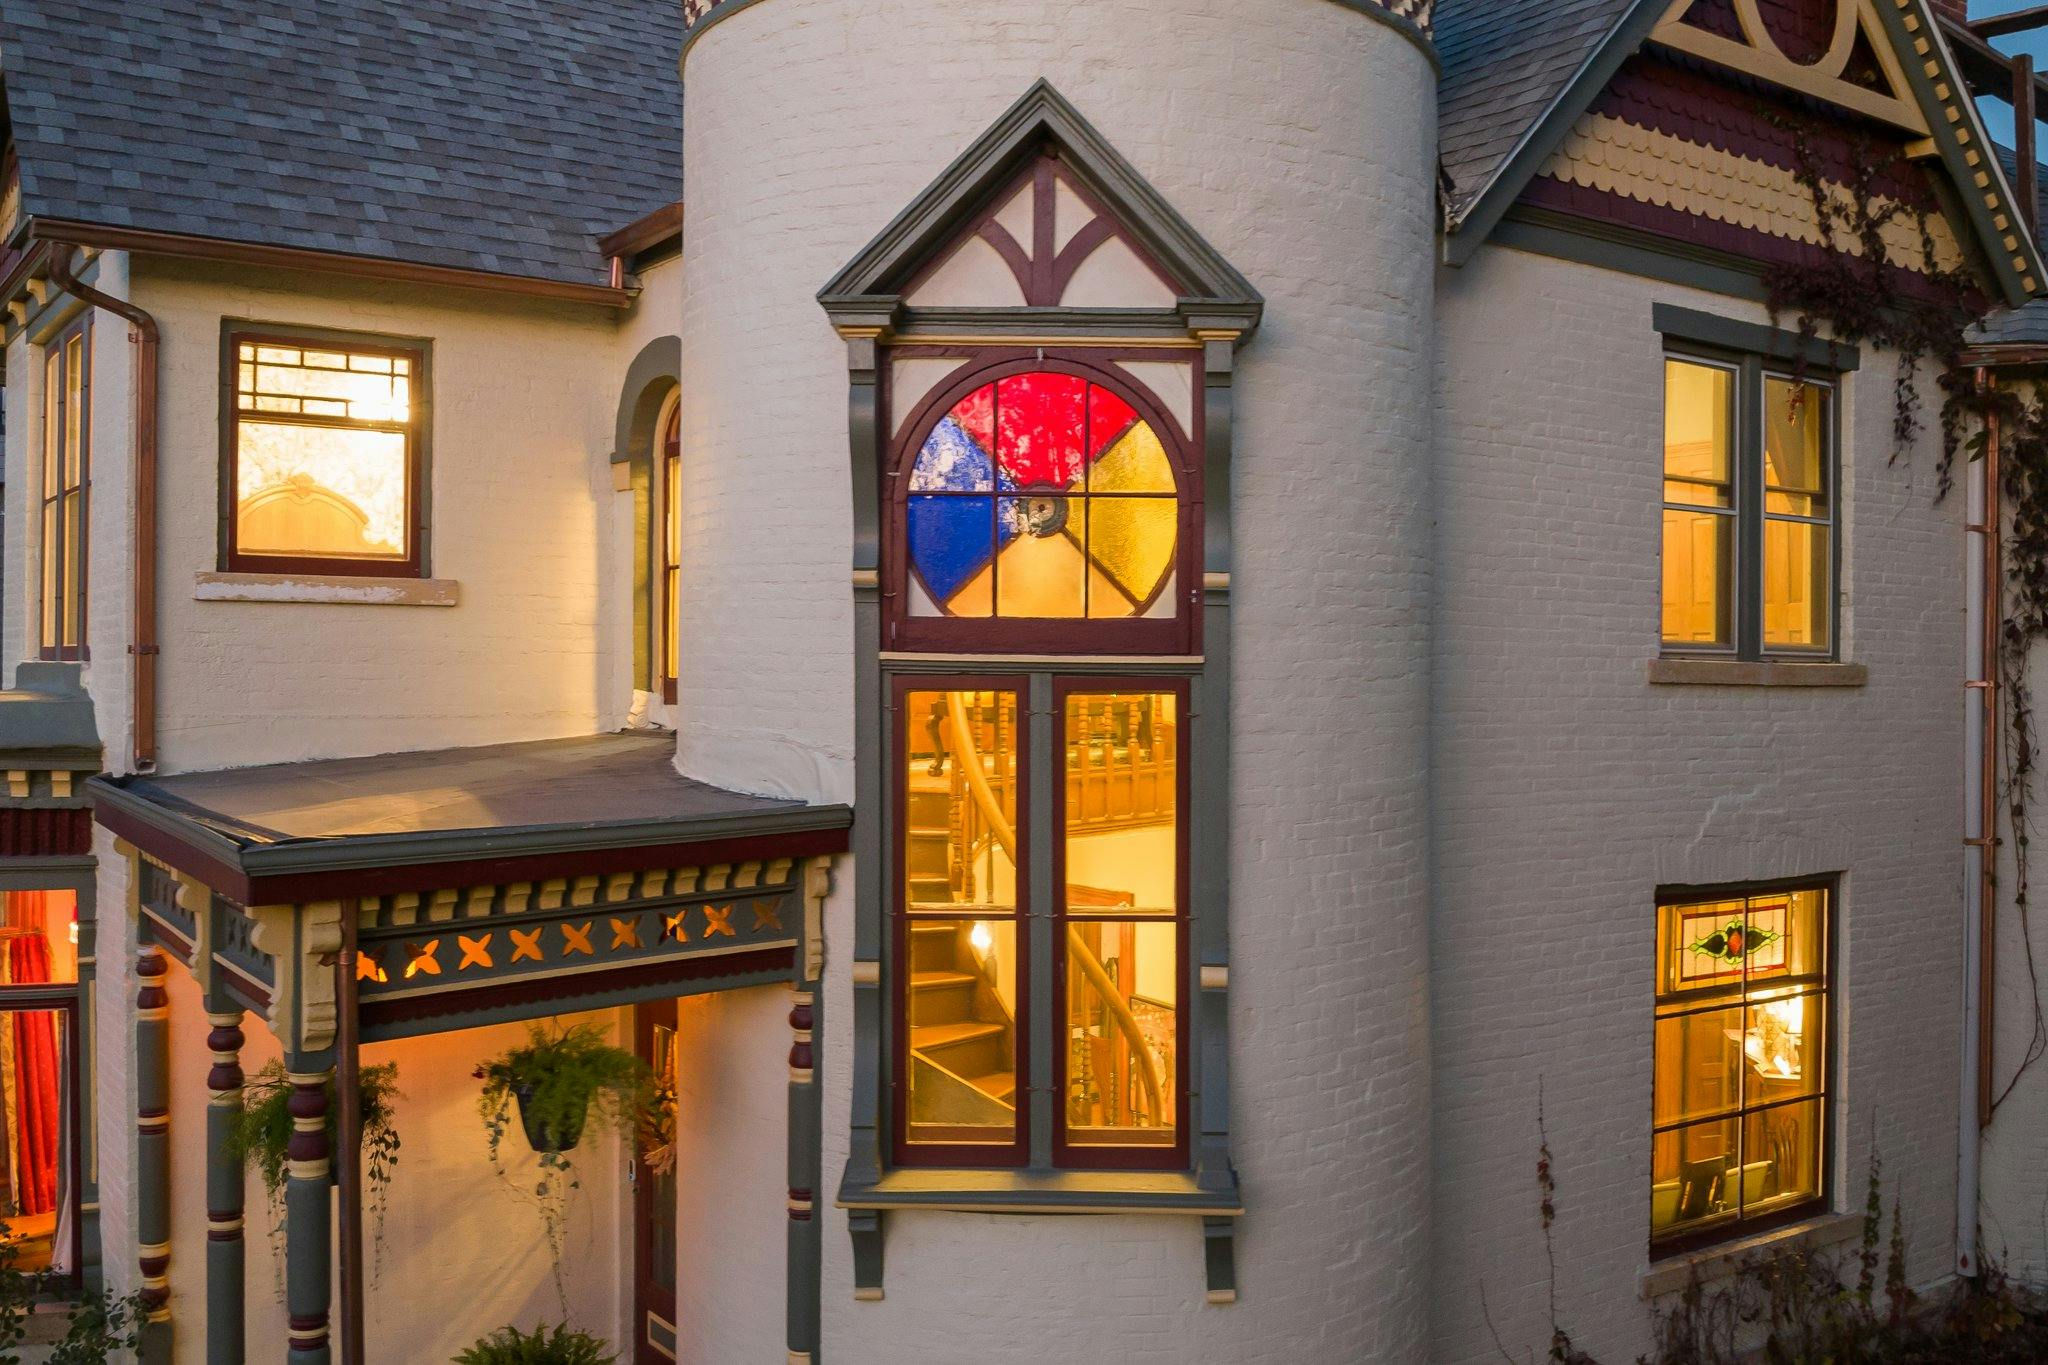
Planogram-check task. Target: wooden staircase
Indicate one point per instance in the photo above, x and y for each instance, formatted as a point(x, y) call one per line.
point(962, 1045)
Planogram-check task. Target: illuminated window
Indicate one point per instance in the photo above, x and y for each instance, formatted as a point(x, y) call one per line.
point(324, 455)
point(1111, 1017)
point(671, 548)
point(1749, 511)
point(1740, 1111)
point(67, 485)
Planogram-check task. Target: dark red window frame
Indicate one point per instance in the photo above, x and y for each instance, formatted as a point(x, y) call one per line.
point(904, 1152)
point(1069, 1155)
point(1180, 635)
point(413, 565)
point(64, 560)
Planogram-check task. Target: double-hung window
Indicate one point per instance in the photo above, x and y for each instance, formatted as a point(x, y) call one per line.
point(1750, 509)
point(1039, 812)
point(1740, 1115)
point(67, 483)
point(671, 497)
point(325, 453)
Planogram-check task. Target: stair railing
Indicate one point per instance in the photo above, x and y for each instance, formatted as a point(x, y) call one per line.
point(969, 760)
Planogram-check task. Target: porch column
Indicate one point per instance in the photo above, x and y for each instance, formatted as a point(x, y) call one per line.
point(308, 1210)
point(225, 1342)
point(153, 1150)
point(804, 1229)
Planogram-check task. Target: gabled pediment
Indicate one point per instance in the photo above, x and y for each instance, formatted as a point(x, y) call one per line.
point(1855, 69)
point(1041, 213)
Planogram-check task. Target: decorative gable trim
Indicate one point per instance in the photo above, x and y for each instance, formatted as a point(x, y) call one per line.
point(869, 291)
point(1760, 56)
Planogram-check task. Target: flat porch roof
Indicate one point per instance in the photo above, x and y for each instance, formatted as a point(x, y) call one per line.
point(323, 829)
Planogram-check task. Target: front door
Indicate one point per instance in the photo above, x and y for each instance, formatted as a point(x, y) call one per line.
point(654, 1193)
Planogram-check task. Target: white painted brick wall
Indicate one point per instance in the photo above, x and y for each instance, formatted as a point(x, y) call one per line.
point(1567, 789)
point(1299, 140)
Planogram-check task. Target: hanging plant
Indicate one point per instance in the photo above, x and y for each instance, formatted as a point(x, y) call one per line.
point(545, 1345)
point(262, 1132)
point(558, 1083)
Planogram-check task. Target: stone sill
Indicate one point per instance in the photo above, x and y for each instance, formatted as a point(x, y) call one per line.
point(1019, 1191)
point(1752, 673)
point(344, 589)
point(1716, 1263)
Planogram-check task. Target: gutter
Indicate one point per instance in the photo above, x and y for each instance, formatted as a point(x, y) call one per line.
point(142, 647)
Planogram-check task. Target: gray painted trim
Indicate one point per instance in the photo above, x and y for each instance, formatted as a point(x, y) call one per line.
point(1466, 231)
point(1407, 28)
point(1043, 1190)
point(1754, 338)
point(1610, 246)
point(1682, 672)
point(1042, 114)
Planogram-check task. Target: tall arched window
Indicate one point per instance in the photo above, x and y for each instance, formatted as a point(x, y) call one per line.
point(668, 575)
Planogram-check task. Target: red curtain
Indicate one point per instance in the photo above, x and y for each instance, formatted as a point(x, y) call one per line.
point(35, 1056)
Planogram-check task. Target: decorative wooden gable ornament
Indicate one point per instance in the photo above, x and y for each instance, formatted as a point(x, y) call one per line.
point(1042, 215)
point(1857, 30)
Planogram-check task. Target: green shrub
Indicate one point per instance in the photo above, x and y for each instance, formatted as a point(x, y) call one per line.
point(545, 1345)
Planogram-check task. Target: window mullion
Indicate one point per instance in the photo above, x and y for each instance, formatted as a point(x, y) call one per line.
point(1043, 1016)
point(1749, 504)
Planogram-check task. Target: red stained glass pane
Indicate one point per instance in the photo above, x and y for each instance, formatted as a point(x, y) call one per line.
point(1042, 418)
point(1108, 418)
point(976, 414)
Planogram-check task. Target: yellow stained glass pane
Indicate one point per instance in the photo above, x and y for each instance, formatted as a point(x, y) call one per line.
point(364, 397)
point(1699, 555)
point(1042, 572)
point(1123, 992)
point(329, 492)
point(1798, 570)
point(1135, 464)
point(1698, 401)
point(1121, 803)
point(960, 777)
point(1133, 540)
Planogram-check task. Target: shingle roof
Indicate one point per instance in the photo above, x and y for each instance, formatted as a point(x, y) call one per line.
point(1504, 63)
point(498, 135)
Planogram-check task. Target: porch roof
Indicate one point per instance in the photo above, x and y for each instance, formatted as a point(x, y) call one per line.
point(317, 830)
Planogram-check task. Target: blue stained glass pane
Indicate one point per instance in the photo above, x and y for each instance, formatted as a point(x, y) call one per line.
point(952, 462)
point(951, 540)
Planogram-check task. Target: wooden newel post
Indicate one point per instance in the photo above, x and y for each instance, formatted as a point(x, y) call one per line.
point(153, 1150)
point(308, 1212)
point(226, 1341)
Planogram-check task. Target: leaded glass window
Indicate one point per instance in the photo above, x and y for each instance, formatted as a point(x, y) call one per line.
point(1740, 1115)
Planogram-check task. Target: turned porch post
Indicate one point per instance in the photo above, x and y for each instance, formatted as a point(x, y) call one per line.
point(308, 1205)
point(225, 1339)
point(153, 1149)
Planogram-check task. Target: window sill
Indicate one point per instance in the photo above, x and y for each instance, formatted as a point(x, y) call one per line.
point(346, 589)
point(1715, 1263)
point(1015, 1191)
point(1752, 673)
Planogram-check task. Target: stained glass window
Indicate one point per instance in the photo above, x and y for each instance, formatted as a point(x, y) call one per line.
point(1042, 495)
point(323, 457)
point(1739, 1114)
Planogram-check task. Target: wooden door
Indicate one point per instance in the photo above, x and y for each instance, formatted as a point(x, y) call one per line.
point(654, 1197)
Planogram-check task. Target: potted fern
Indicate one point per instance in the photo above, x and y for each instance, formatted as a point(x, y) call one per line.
point(542, 1346)
point(559, 1081)
point(263, 1130)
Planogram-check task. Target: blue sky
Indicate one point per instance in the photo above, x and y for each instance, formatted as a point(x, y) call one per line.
point(1997, 113)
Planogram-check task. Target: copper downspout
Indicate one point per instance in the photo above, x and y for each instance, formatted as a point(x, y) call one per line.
point(348, 1126)
point(1987, 778)
point(142, 649)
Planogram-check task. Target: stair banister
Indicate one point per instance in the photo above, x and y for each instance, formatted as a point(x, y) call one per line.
point(969, 759)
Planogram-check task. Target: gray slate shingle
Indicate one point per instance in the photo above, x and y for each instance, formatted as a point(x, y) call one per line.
point(1504, 63)
point(501, 135)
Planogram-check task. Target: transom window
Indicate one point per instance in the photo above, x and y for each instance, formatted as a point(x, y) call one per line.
point(1749, 510)
point(1043, 507)
point(1740, 1115)
point(324, 455)
point(67, 484)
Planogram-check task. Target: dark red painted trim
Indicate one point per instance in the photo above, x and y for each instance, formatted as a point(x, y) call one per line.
point(45, 831)
point(540, 989)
